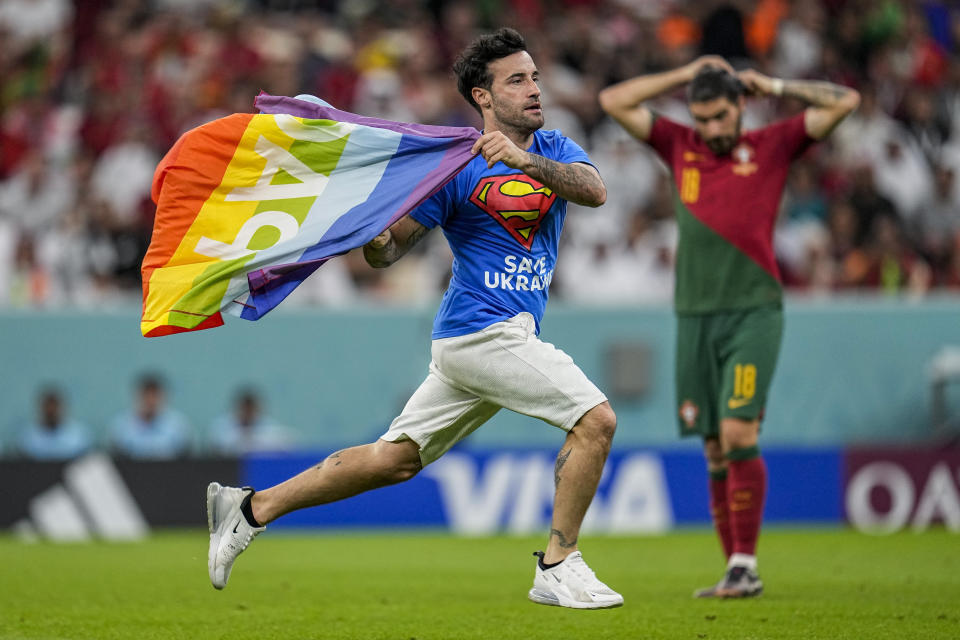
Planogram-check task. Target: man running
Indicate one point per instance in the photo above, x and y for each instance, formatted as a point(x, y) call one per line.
point(502, 216)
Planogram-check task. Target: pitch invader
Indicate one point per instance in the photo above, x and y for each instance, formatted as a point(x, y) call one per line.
point(728, 296)
point(502, 216)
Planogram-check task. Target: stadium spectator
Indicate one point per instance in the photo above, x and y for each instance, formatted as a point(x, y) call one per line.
point(885, 262)
point(53, 435)
point(486, 354)
point(37, 195)
point(728, 289)
point(838, 269)
point(150, 429)
point(938, 221)
point(113, 86)
point(950, 278)
point(245, 428)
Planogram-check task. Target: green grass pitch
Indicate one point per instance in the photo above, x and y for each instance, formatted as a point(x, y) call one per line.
point(820, 584)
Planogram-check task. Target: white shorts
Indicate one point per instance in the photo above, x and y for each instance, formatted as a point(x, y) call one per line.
point(472, 376)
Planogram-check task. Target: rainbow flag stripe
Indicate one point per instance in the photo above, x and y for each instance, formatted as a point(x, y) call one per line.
point(249, 205)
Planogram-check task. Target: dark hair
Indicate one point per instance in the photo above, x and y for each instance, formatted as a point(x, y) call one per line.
point(471, 65)
point(50, 392)
point(151, 381)
point(711, 83)
point(248, 395)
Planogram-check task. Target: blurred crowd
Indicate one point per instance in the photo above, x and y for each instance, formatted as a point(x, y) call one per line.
point(94, 92)
point(150, 428)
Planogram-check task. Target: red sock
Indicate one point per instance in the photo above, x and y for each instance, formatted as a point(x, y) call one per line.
point(719, 511)
point(746, 489)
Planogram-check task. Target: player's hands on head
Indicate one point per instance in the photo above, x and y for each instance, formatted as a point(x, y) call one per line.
point(496, 147)
point(755, 83)
point(708, 61)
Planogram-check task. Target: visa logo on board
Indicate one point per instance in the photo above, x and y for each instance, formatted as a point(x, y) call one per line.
point(513, 492)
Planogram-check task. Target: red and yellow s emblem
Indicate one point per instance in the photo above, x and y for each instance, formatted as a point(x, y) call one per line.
point(516, 201)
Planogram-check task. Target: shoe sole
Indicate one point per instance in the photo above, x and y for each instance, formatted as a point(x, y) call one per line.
point(213, 524)
point(549, 599)
point(213, 489)
point(733, 594)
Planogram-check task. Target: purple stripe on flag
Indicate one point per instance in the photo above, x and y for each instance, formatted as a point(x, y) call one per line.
point(303, 109)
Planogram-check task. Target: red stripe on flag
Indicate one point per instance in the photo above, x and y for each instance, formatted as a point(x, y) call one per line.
point(215, 320)
point(184, 180)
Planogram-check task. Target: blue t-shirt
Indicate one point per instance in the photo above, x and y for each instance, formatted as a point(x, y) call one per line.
point(503, 228)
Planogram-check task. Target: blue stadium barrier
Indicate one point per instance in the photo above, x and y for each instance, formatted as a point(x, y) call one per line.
point(510, 490)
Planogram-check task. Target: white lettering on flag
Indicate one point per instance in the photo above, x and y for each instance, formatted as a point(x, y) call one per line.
point(283, 222)
point(311, 183)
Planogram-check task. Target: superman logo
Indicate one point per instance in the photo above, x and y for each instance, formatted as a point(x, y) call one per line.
point(516, 201)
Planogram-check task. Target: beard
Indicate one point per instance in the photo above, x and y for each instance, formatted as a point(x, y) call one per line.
point(722, 145)
point(518, 118)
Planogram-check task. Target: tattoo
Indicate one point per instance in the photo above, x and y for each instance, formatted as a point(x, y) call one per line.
point(575, 182)
point(319, 466)
point(334, 456)
point(382, 257)
point(561, 460)
point(418, 232)
point(564, 543)
point(819, 94)
point(392, 251)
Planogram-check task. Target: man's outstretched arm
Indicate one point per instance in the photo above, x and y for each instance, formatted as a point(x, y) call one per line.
point(393, 243)
point(829, 103)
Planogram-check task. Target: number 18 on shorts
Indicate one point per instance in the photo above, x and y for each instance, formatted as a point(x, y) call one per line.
point(724, 365)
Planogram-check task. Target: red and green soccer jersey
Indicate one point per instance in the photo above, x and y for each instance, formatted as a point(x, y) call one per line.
point(726, 209)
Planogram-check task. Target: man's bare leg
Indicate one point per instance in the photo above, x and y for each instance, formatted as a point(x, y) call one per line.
point(235, 516)
point(341, 475)
point(576, 476)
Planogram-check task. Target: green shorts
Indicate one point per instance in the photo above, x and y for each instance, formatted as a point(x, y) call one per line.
point(725, 363)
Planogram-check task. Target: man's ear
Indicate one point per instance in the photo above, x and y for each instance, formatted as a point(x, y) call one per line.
point(481, 96)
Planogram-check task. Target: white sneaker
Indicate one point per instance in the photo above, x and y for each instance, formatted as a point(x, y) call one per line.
point(230, 533)
point(571, 584)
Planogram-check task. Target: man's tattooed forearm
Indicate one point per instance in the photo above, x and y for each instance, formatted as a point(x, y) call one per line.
point(564, 543)
point(392, 251)
point(382, 257)
point(561, 460)
point(418, 232)
point(817, 93)
point(577, 183)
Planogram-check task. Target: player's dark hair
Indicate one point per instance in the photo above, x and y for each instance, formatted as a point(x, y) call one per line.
point(471, 65)
point(711, 83)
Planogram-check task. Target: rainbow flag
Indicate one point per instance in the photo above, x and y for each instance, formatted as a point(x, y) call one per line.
point(250, 205)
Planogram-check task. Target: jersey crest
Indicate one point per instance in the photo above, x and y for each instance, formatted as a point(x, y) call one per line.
point(689, 413)
point(516, 201)
point(744, 156)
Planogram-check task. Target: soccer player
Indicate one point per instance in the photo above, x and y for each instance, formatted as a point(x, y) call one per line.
point(502, 216)
point(728, 295)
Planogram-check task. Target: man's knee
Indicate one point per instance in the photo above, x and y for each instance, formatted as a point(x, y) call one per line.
point(404, 472)
point(600, 423)
point(398, 461)
point(739, 434)
point(713, 452)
